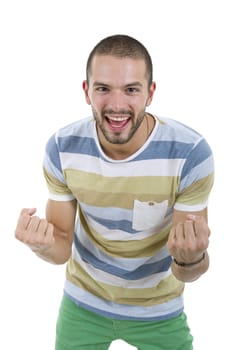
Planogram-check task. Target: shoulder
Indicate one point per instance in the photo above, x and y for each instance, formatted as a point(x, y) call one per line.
point(183, 136)
point(80, 127)
point(174, 130)
point(77, 137)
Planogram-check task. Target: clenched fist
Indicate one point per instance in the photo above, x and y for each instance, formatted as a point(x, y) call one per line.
point(189, 240)
point(34, 232)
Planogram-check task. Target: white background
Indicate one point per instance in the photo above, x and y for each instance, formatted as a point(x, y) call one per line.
point(44, 46)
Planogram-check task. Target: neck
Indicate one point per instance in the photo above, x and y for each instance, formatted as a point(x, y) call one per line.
point(123, 151)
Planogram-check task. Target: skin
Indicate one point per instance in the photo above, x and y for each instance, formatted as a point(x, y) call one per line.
point(118, 94)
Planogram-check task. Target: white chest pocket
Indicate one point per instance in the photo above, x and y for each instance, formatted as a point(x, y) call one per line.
point(147, 215)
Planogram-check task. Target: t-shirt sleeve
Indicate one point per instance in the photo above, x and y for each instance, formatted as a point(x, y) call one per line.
point(56, 183)
point(197, 178)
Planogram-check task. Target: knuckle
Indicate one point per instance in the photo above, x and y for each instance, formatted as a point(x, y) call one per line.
point(19, 234)
point(171, 245)
point(27, 239)
point(179, 225)
point(203, 244)
point(35, 219)
point(190, 247)
point(47, 242)
point(178, 245)
point(38, 239)
point(43, 222)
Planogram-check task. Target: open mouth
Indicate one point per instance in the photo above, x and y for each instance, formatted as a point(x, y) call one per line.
point(117, 123)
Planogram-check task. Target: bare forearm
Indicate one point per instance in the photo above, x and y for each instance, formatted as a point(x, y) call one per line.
point(50, 238)
point(190, 273)
point(58, 254)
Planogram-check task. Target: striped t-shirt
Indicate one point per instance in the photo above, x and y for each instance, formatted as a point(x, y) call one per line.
point(120, 266)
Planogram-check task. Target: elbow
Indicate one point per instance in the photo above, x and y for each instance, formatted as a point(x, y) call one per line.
point(62, 258)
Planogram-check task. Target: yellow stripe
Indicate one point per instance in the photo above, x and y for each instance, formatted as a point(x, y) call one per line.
point(198, 192)
point(107, 191)
point(133, 185)
point(127, 249)
point(166, 290)
point(118, 200)
point(54, 185)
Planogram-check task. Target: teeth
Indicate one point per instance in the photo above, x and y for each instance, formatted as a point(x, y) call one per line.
point(118, 119)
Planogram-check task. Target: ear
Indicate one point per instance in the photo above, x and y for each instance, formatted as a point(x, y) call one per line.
point(85, 89)
point(151, 93)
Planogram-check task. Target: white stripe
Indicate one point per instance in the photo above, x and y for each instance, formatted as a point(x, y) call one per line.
point(120, 309)
point(82, 127)
point(61, 198)
point(127, 264)
point(51, 169)
point(111, 213)
point(174, 130)
point(197, 207)
point(153, 167)
point(113, 235)
point(107, 278)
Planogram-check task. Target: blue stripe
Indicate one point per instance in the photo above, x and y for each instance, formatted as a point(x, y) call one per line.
point(123, 317)
point(110, 212)
point(77, 144)
point(199, 172)
point(124, 263)
point(165, 150)
point(123, 225)
point(156, 149)
point(123, 311)
point(52, 169)
point(141, 272)
point(198, 155)
point(52, 152)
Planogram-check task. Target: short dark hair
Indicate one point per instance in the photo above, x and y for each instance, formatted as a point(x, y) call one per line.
point(121, 46)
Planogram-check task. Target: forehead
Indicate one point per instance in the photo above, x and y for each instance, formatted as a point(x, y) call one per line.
point(106, 68)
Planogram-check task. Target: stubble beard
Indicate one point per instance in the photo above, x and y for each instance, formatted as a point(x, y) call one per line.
point(116, 138)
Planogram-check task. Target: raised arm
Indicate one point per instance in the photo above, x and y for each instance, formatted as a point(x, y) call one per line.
point(50, 238)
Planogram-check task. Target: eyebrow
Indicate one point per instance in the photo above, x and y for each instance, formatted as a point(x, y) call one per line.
point(135, 83)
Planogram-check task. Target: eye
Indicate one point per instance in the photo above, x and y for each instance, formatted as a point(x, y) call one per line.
point(101, 89)
point(132, 90)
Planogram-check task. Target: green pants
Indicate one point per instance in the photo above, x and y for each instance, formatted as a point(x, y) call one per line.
point(80, 329)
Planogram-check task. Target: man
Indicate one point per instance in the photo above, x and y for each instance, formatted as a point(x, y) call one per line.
point(127, 210)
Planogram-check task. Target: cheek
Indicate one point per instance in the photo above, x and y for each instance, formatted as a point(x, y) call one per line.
point(97, 101)
point(140, 104)
point(97, 107)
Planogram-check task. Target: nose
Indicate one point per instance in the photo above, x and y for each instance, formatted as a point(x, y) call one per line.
point(117, 100)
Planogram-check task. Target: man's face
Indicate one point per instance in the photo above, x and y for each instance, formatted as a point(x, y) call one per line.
point(118, 94)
